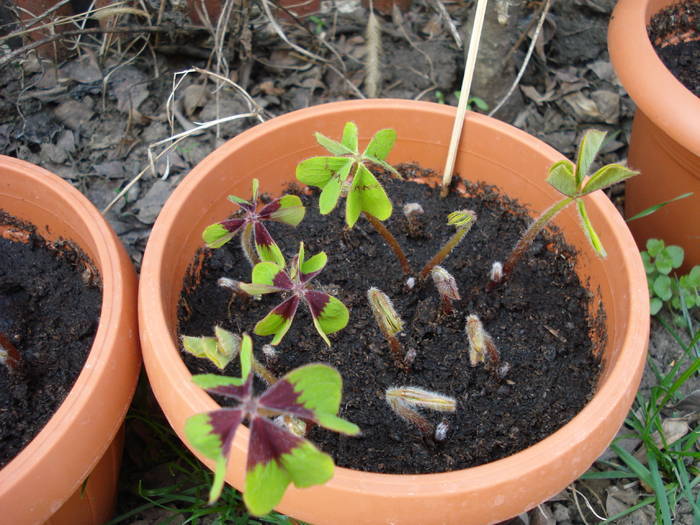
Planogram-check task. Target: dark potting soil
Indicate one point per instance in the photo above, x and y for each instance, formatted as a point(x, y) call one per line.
point(675, 34)
point(538, 320)
point(50, 300)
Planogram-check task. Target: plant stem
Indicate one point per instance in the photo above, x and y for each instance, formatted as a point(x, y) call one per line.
point(444, 251)
point(391, 241)
point(247, 245)
point(263, 373)
point(396, 352)
point(527, 238)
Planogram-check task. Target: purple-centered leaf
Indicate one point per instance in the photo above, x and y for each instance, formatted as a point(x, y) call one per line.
point(224, 423)
point(268, 442)
point(281, 397)
point(233, 225)
point(317, 301)
point(239, 393)
point(262, 236)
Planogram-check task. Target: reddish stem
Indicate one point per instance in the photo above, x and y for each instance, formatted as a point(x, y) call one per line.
point(9, 355)
point(391, 241)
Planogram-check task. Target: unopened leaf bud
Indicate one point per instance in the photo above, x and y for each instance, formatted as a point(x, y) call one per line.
point(389, 321)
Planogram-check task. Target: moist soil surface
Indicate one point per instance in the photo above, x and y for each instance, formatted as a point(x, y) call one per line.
point(538, 321)
point(50, 314)
point(675, 33)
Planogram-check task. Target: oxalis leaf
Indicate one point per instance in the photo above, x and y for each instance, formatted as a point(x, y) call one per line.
point(276, 457)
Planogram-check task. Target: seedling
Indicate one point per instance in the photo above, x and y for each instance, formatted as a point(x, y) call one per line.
point(389, 321)
point(573, 183)
point(412, 211)
point(347, 174)
point(9, 355)
point(287, 209)
point(328, 313)
point(276, 456)
point(404, 401)
point(463, 220)
point(447, 288)
point(221, 350)
point(659, 261)
point(482, 349)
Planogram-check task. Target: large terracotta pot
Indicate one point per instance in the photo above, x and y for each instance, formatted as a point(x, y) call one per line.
point(68, 473)
point(665, 143)
point(489, 149)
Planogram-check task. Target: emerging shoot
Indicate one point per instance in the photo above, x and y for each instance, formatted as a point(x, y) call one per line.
point(389, 321)
point(287, 209)
point(463, 220)
point(405, 400)
point(496, 273)
point(412, 211)
point(481, 347)
point(572, 182)
point(328, 314)
point(447, 288)
point(9, 355)
point(276, 456)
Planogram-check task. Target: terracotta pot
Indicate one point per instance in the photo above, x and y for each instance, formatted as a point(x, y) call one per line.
point(665, 143)
point(82, 441)
point(491, 150)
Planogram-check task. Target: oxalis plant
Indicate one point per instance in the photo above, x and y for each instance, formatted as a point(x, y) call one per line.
point(276, 456)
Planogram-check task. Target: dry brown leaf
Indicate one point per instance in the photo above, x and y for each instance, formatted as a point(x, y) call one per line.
point(433, 27)
point(84, 69)
point(584, 108)
point(73, 113)
point(534, 95)
point(673, 430)
point(608, 104)
point(268, 87)
point(691, 404)
point(194, 97)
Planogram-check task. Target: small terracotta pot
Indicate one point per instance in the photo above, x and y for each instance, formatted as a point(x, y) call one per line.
point(665, 143)
point(489, 150)
point(82, 440)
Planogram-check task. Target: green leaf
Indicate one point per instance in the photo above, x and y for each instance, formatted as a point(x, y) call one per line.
point(265, 273)
point(333, 317)
point(330, 194)
point(381, 144)
point(589, 231)
point(215, 235)
point(308, 466)
point(655, 305)
point(273, 324)
point(607, 176)
point(349, 139)
point(664, 262)
point(655, 246)
point(587, 151)
point(337, 424)
point(237, 200)
point(336, 148)
point(694, 277)
point(676, 254)
point(653, 209)
point(199, 346)
point(649, 267)
point(561, 177)
point(366, 194)
point(317, 171)
point(207, 381)
point(270, 253)
point(217, 485)
point(480, 103)
point(246, 356)
point(198, 431)
point(662, 287)
point(315, 263)
point(291, 210)
point(264, 487)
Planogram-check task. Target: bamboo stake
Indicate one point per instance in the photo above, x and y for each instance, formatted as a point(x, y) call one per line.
point(463, 96)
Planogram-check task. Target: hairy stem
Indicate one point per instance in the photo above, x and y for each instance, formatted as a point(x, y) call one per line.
point(247, 245)
point(444, 252)
point(396, 352)
point(527, 238)
point(391, 241)
point(263, 373)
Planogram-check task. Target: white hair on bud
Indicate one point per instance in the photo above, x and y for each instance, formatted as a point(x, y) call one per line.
point(410, 283)
point(441, 430)
point(496, 274)
point(227, 282)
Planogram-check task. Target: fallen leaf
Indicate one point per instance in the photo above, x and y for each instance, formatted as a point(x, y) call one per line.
point(433, 27)
point(73, 114)
point(268, 87)
point(608, 104)
point(603, 69)
point(673, 429)
point(584, 108)
point(129, 85)
point(534, 95)
point(690, 404)
point(194, 97)
point(84, 69)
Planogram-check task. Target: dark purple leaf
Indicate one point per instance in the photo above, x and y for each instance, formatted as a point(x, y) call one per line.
point(282, 397)
point(268, 442)
point(240, 393)
point(269, 209)
point(282, 280)
point(262, 236)
point(317, 301)
point(287, 308)
point(233, 225)
point(224, 423)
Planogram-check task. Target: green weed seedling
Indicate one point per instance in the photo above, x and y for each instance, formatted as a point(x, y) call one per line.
point(276, 456)
point(659, 261)
point(328, 313)
point(287, 209)
point(573, 182)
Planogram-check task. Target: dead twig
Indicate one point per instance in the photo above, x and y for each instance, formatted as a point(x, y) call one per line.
point(448, 21)
point(540, 23)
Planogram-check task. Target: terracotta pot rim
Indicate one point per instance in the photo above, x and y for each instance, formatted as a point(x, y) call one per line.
point(654, 89)
point(107, 352)
point(395, 485)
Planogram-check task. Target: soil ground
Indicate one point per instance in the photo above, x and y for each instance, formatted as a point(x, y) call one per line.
point(93, 118)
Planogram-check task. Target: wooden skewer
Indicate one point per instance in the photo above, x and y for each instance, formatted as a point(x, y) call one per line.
point(463, 96)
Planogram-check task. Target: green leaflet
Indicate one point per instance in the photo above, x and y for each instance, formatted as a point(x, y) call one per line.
point(275, 324)
point(270, 253)
point(337, 424)
point(264, 487)
point(561, 177)
point(207, 381)
point(349, 139)
point(265, 273)
point(381, 144)
point(316, 171)
point(199, 433)
point(334, 317)
point(334, 147)
point(291, 210)
point(215, 235)
point(607, 176)
point(366, 194)
point(220, 350)
point(589, 231)
point(308, 466)
point(315, 263)
point(587, 151)
point(330, 194)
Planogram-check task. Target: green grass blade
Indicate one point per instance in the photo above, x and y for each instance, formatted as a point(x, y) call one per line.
point(658, 485)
